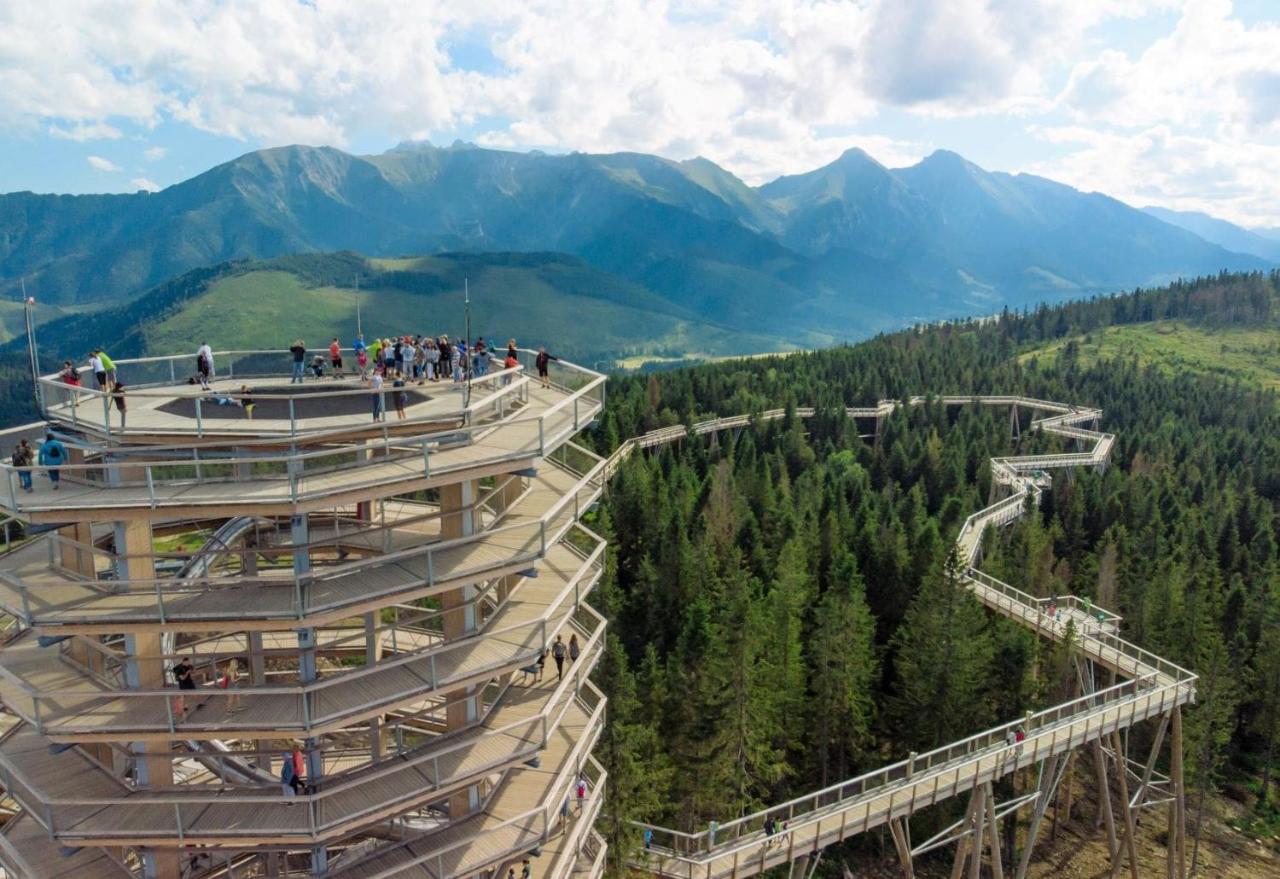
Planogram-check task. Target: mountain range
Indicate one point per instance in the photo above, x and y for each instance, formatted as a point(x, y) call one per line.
point(842, 251)
point(1263, 243)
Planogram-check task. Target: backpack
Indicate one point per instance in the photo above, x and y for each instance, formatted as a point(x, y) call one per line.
point(558, 650)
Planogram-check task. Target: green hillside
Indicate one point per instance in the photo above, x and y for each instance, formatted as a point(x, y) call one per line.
point(577, 311)
point(1250, 354)
point(268, 307)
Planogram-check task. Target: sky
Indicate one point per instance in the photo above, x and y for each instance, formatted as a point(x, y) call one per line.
point(1165, 102)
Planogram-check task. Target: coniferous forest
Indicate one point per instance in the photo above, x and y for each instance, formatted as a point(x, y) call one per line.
point(780, 612)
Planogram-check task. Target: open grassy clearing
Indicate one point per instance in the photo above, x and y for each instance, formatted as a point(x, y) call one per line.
point(1249, 354)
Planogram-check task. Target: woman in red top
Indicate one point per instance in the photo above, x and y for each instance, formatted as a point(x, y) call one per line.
point(70, 375)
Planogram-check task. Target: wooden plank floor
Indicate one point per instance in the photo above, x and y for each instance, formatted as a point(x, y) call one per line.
point(149, 421)
point(491, 836)
point(28, 853)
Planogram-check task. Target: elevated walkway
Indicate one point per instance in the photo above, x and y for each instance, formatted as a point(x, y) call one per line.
point(1153, 686)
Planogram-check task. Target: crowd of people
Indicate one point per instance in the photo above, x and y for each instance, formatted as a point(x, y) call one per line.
point(401, 360)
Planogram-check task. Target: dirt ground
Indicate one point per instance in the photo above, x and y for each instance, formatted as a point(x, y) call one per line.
point(1080, 852)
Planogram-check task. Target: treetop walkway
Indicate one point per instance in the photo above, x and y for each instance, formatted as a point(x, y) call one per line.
point(1153, 687)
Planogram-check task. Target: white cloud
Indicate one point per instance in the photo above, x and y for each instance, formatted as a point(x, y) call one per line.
point(155, 153)
point(144, 184)
point(100, 164)
point(1234, 181)
point(82, 131)
point(762, 86)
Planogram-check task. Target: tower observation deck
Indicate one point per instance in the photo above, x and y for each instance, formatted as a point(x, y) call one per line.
point(366, 601)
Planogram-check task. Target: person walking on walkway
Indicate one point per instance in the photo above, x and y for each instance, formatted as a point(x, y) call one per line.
point(375, 387)
point(52, 456)
point(525, 871)
point(184, 674)
point(580, 791)
point(230, 681)
point(573, 649)
point(557, 653)
point(299, 352)
point(23, 455)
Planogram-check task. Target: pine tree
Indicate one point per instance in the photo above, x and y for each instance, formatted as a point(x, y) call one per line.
point(942, 662)
point(844, 667)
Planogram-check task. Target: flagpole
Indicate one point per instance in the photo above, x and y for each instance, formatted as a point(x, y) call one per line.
point(466, 367)
point(359, 328)
point(32, 351)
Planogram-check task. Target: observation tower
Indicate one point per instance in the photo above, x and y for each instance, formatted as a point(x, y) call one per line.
point(370, 596)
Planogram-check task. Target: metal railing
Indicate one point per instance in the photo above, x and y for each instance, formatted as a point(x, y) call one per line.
point(324, 812)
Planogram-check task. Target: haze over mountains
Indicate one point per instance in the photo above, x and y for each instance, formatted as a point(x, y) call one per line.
point(844, 250)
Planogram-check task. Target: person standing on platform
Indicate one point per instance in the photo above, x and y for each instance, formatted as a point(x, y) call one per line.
point(335, 358)
point(206, 352)
point(541, 362)
point(108, 366)
point(375, 387)
point(573, 649)
point(525, 871)
point(557, 653)
point(204, 369)
point(52, 456)
point(70, 375)
point(117, 393)
point(23, 455)
point(98, 370)
point(402, 396)
point(299, 351)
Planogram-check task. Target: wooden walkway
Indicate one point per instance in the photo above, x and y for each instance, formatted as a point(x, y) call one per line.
point(1153, 687)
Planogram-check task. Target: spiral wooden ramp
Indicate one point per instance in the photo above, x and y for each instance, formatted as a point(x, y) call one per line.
point(385, 591)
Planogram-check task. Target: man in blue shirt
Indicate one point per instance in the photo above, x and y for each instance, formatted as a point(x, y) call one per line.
point(53, 455)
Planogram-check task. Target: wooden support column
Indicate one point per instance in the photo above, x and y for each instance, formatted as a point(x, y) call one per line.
point(1051, 772)
point(144, 670)
point(903, 845)
point(993, 832)
point(1177, 809)
point(372, 656)
point(457, 519)
point(78, 558)
point(1104, 797)
point(1129, 830)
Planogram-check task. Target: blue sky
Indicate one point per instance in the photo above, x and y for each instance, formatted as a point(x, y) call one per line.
point(1170, 102)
